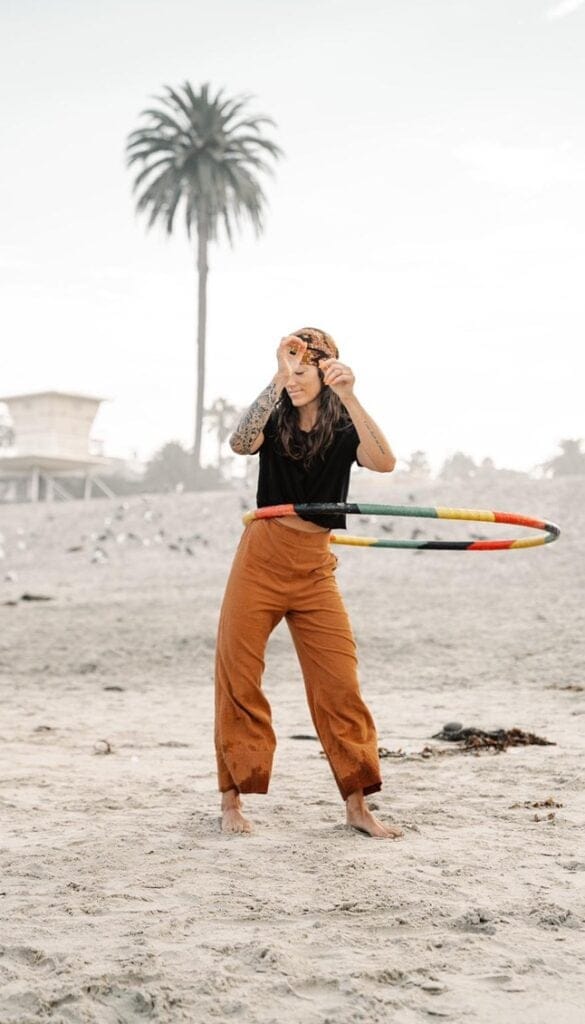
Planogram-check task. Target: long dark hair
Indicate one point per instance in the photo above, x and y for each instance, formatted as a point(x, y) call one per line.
point(332, 415)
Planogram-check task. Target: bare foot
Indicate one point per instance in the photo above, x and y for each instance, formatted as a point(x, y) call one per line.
point(360, 817)
point(232, 819)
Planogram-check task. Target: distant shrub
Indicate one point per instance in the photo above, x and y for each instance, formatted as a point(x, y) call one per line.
point(570, 462)
point(458, 467)
point(173, 468)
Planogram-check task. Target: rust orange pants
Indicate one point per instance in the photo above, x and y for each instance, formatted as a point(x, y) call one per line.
point(279, 571)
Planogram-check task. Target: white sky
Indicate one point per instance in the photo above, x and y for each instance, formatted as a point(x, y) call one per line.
point(429, 212)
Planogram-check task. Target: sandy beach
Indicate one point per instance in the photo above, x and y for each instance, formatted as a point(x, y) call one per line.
point(122, 901)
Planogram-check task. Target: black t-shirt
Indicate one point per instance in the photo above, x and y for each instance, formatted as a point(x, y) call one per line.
point(283, 481)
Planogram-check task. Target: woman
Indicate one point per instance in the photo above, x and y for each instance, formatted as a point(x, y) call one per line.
point(308, 427)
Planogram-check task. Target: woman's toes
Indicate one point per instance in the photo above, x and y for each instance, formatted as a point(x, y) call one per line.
point(233, 821)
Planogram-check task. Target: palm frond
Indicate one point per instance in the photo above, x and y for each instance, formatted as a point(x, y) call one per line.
point(172, 207)
point(146, 171)
point(253, 123)
point(161, 117)
point(156, 194)
point(173, 98)
point(149, 147)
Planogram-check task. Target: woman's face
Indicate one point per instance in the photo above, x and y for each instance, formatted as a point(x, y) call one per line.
point(304, 385)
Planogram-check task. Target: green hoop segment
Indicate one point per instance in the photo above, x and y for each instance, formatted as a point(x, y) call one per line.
point(551, 532)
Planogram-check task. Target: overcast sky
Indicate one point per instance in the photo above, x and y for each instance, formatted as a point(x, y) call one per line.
point(429, 212)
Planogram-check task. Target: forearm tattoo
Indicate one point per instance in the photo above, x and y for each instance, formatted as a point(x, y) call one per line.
point(376, 439)
point(362, 417)
point(254, 419)
point(374, 435)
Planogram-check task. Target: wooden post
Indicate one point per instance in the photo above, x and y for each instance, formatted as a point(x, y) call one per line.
point(34, 484)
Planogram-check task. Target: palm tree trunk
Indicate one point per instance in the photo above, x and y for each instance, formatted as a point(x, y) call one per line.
point(202, 268)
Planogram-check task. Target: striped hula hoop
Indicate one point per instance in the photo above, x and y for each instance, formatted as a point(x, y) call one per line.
point(551, 532)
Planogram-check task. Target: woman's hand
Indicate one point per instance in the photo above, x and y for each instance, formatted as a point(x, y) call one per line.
point(289, 354)
point(338, 377)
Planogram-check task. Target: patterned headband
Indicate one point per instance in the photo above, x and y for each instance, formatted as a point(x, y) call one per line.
point(314, 352)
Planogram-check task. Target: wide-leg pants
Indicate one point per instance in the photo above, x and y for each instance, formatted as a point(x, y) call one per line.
point(279, 571)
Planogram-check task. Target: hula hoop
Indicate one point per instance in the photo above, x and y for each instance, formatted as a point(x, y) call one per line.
point(419, 512)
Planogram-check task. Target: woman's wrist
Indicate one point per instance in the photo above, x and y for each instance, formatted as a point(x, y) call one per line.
point(350, 401)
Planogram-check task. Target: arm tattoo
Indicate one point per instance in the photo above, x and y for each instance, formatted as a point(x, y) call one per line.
point(376, 440)
point(365, 419)
point(254, 420)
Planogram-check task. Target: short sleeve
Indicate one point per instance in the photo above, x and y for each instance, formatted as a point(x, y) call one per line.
point(268, 431)
point(353, 444)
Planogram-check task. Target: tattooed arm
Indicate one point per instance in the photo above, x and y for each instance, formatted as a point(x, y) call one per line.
point(248, 437)
point(373, 451)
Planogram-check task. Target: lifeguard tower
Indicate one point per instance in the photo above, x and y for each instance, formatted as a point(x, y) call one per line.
point(51, 441)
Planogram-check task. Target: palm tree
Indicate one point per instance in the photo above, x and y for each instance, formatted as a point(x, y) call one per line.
point(201, 152)
point(222, 417)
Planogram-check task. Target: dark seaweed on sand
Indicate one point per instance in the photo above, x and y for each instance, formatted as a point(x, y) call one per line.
point(496, 739)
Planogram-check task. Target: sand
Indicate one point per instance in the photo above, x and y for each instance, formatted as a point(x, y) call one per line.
point(121, 899)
